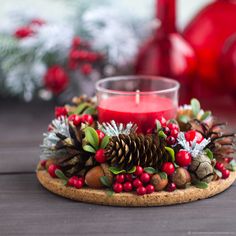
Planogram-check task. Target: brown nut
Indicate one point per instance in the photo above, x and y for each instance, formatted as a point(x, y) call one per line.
point(107, 172)
point(158, 182)
point(92, 178)
point(181, 177)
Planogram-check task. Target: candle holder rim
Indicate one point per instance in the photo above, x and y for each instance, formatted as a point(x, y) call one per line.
point(126, 77)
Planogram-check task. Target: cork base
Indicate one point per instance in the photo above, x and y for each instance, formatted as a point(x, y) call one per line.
point(131, 199)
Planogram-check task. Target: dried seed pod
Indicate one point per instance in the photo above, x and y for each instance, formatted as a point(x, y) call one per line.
point(159, 182)
point(181, 177)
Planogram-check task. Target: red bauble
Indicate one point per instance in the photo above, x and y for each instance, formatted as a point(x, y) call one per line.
point(56, 79)
point(150, 189)
point(145, 177)
point(60, 111)
point(183, 158)
point(141, 190)
point(192, 134)
point(167, 53)
point(23, 32)
point(100, 156)
point(138, 171)
point(207, 33)
point(225, 174)
point(168, 168)
point(51, 170)
point(127, 186)
point(118, 188)
point(137, 183)
point(120, 178)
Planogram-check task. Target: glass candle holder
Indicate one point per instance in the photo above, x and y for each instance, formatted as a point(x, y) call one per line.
point(137, 99)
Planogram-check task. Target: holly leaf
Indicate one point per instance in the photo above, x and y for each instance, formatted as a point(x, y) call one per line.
point(196, 107)
point(201, 184)
point(61, 175)
point(163, 175)
point(132, 170)
point(80, 108)
point(105, 181)
point(116, 170)
point(89, 110)
point(218, 173)
point(104, 142)
point(89, 148)
point(183, 118)
point(205, 115)
point(171, 152)
point(161, 134)
point(150, 170)
point(92, 137)
point(209, 153)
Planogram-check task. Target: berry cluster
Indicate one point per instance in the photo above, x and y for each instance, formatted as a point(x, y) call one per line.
point(220, 167)
point(81, 56)
point(77, 119)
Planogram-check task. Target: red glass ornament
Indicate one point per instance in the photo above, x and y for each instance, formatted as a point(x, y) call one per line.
point(166, 53)
point(207, 33)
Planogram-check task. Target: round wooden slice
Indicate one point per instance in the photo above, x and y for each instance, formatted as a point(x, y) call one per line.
point(131, 199)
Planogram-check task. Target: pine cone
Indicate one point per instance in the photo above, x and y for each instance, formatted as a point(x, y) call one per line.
point(75, 161)
point(127, 151)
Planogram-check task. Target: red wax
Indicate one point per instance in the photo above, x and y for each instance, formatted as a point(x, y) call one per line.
point(124, 109)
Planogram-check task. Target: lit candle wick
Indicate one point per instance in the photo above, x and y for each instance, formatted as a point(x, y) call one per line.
point(137, 97)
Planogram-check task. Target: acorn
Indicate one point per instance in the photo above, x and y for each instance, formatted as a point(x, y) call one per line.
point(159, 182)
point(181, 177)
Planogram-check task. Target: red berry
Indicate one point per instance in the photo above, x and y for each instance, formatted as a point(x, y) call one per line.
point(174, 133)
point(71, 117)
point(120, 178)
point(137, 183)
point(23, 32)
point(145, 177)
point(173, 126)
point(100, 156)
point(171, 187)
point(118, 188)
point(170, 140)
point(37, 21)
point(219, 166)
point(78, 183)
point(166, 130)
point(183, 158)
point(101, 135)
point(76, 41)
point(128, 177)
point(127, 186)
point(60, 111)
point(51, 170)
point(162, 120)
point(225, 174)
point(138, 171)
point(43, 163)
point(192, 134)
point(87, 118)
point(77, 120)
point(86, 69)
point(71, 180)
point(168, 168)
point(141, 190)
point(150, 189)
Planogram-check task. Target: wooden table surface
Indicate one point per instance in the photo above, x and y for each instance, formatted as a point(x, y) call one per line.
point(26, 208)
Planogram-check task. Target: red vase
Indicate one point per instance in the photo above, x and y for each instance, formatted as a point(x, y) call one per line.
point(207, 33)
point(228, 66)
point(167, 53)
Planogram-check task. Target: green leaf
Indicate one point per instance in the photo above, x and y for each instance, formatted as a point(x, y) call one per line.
point(60, 175)
point(132, 170)
point(80, 108)
point(92, 137)
point(161, 134)
point(116, 170)
point(171, 152)
point(196, 107)
point(158, 125)
point(150, 170)
point(110, 193)
point(89, 110)
point(89, 148)
point(183, 118)
point(233, 163)
point(173, 121)
point(209, 153)
point(218, 173)
point(201, 184)
point(105, 181)
point(163, 175)
point(231, 166)
point(64, 182)
point(205, 115)
point(104, 142)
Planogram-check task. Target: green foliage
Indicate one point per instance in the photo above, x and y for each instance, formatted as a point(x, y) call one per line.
point(89, 148)
point(116, 170)
point(92, 137)
point(196, 107)
point(209, 153)
point(105, 142)
point(150, 170)
point(171, 152)
point(161, 134)
point(163, 175)
point(105, 181)
point(201, 184)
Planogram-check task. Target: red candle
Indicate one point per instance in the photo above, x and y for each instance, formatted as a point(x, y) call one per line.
point(142, 110)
